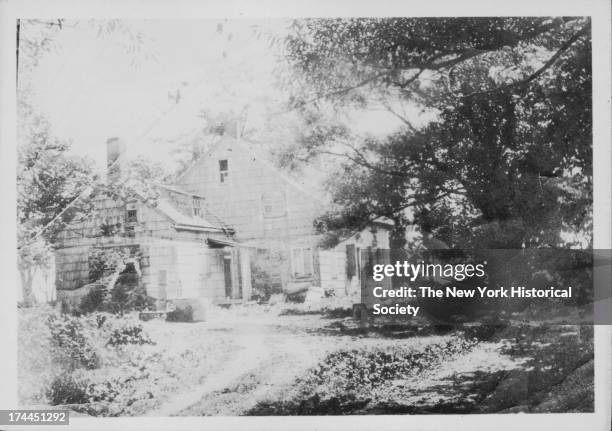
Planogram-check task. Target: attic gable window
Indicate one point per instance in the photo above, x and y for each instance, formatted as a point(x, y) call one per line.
point(197, 207)
point(131, 213)
point(223, 171)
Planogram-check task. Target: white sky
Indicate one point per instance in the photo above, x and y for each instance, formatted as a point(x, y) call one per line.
point(92, 87)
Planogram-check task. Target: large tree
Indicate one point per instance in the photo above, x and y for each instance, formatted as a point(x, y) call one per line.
point(52, 183)
point(506, 160)
point(49, 182)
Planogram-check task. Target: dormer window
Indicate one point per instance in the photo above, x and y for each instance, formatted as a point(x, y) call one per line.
point(223, 171)
point(197, 207)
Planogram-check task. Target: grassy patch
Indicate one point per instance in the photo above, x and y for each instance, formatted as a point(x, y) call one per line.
point(348, 381)
point(516, 369)
point(105, 365)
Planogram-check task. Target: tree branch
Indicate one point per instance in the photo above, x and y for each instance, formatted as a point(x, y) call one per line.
point(401, 117)
point(344, 90)
point(364, 163)
point(541, 70)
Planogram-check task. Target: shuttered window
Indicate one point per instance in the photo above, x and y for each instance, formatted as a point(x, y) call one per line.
point(223, 171)
point(197, 207)
point(132, 216)
point(301, 262)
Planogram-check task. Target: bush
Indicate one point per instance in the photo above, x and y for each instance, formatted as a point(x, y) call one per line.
point(125, 295)
point(265, 273)
point(93, 301)
point(66, 389)
point(128, 294)
point(70, 343)
point(313, 405)
point(129, 334)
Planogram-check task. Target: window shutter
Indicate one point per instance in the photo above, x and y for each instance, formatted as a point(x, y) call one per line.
point(307, 261)
point(350, 261)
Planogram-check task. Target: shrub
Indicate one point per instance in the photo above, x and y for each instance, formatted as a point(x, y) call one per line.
point(66, 389)
point(358, 369)
point(70, 344)
point(129, 334)
point(266, 277)
point(313, 405)
point(128, 294)
point(94, 300)
point(104, 262)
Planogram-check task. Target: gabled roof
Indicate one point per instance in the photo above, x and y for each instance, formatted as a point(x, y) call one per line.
point(176, 189)
point(189, 222)
point(182, 221)
point(304, 183)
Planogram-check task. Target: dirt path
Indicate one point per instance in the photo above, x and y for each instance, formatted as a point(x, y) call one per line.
point(269, 357)
point(288, 356)
point(272, 353)
point(252, 352)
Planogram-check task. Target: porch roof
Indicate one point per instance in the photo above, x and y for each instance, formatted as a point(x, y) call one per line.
point(218, 243)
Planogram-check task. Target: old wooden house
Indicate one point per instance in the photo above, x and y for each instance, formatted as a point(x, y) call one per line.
point(273, 212)
point(180, 249)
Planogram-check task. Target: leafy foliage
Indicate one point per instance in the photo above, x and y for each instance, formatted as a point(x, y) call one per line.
point(117, 287)
point(505, 160)
point(346, 381)
point(94, 300)
point(357, 369)
point(66, 389)
point(48, 180)
point(105, 262)
point(71, 342)
point(130, 379)
point(129, 334)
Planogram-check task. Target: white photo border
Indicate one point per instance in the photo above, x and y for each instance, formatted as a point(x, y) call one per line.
point(598, 10)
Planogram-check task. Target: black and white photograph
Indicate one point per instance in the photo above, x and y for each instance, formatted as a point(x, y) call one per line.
point(358, 215)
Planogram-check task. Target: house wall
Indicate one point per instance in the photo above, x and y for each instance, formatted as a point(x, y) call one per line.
point(186, 270)
point(191, 270)
point(240, 200)
point(111, 214)
point(252, 183)
point(333, 262)
point(79, 238)
point(174, 263)
point(250, 186)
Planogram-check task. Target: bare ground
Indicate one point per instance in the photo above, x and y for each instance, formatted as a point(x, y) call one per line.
point(280, 368)
point(279, 361)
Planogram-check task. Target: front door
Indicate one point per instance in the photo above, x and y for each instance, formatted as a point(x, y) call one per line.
point(227, 271)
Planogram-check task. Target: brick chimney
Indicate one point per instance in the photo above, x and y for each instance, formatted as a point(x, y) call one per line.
point(115, 159)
